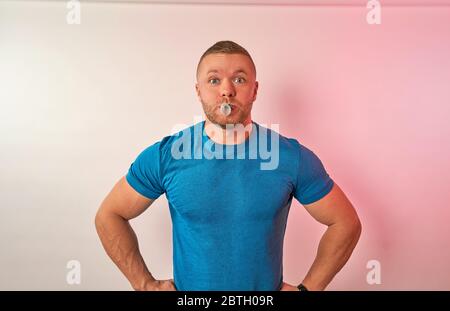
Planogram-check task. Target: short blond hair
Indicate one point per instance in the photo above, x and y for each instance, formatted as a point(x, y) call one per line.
point(226, 47)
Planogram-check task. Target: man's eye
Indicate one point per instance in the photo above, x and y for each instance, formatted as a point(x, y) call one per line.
point(239, 80)
point(213, 81)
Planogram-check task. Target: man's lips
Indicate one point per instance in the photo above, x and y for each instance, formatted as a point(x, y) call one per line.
point(225, 109)
point(232, 105)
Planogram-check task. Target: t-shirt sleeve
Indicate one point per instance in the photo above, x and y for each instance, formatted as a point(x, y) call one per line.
point(313, 182)
point(144, 173)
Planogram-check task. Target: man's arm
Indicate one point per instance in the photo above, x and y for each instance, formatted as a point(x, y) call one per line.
point(338, 241)
point(118, 238)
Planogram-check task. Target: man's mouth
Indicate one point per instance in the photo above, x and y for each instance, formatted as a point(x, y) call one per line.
point(225, 109)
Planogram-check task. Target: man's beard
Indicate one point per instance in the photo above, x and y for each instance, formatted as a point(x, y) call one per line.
point(237, 115)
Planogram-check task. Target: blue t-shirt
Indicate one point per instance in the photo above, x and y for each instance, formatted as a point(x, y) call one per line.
point(229, 203)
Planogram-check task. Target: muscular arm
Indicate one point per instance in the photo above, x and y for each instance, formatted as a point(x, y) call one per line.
point(338, 241)
point(118, 238)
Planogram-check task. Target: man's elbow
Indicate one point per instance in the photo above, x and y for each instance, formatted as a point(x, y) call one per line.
point(99, 218)
point(350, 227)
point(107, 215)
point(355, 227)
point(102, 216)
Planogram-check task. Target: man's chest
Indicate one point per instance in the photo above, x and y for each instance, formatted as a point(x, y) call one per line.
point(223, 190)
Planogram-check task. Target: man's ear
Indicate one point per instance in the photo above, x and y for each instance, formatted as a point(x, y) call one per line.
point(256, 90)
point(197, 89)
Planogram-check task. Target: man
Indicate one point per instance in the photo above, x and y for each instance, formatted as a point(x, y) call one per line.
point(229, 211)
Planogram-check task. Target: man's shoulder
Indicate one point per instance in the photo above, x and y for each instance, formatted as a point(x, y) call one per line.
point(273, 131)
point(166, 143)
point(290, 146)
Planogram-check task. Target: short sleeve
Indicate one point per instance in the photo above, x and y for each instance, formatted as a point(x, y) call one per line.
point(144, 173)
point(313, 182)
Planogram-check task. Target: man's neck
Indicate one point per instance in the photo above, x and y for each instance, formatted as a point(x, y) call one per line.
point(231, 135)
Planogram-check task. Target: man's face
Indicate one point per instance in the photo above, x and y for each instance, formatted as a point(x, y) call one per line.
point(230, 78)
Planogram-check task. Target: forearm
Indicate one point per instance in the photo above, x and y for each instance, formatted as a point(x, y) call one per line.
point(335, 248)
point(121, 244)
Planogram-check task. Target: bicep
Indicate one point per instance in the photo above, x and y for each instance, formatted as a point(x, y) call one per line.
point(332, 208)
point(124, 201)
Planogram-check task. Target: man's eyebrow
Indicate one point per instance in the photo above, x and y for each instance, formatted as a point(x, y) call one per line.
point(212, 71)
point(240, 71)
point(236, 72)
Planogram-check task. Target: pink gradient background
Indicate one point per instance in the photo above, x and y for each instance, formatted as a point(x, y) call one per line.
point(374, 103)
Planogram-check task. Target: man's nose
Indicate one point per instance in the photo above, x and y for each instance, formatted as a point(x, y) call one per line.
point(227, 89)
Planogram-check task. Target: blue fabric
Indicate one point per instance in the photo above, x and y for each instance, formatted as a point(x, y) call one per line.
point(228, 215)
